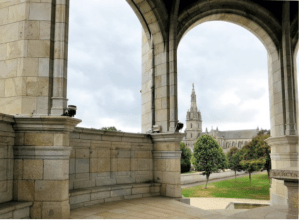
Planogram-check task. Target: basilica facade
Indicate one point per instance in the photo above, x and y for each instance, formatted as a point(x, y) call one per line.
point(226, 139)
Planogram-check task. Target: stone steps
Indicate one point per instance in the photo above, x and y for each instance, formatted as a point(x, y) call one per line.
point(15, 210)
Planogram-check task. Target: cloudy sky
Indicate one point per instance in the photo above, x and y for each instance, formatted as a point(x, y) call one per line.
point(227, 63)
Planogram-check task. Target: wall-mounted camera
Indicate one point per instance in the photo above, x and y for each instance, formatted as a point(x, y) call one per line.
point(70, 111)
point(179, 126)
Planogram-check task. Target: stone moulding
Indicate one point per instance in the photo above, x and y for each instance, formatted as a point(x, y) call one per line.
point(166, 154)
point(288, 175)
point(45, 123)
point(287, 139)
point(285, 156)
point(167, 137)
point(42, 152)
point(7, 118)
point(108, 133)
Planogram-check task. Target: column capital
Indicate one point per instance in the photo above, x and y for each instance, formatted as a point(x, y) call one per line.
point(287, 139)
point(59, 124)
point(166, 154)
point(167, 137)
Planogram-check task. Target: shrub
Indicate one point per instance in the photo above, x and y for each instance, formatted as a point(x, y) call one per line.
point(185, 158)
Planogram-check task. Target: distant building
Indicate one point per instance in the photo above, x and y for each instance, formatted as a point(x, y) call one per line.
point(226, 139)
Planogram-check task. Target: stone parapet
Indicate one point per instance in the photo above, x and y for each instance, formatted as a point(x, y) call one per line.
point(100, 158)
point(41, 173)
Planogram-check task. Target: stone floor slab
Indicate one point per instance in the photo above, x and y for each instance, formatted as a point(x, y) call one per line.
point(168, 208)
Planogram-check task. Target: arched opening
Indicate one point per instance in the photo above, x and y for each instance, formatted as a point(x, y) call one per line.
point(105, 65)
point(228, 65)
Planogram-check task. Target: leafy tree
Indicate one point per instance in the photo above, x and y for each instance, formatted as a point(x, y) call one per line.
point(256, 155)
point(263, 132)
point(185, 161)
point(267, 151)
point(234, 159)
point(208, 156)
point(112, 128)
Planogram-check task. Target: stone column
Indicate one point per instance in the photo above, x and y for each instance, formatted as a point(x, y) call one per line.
point(284, 155)
point(41, 166)
point(166, 155)
point(290, 177)
point(59, 96)
point(26, 47)
point(293, 199)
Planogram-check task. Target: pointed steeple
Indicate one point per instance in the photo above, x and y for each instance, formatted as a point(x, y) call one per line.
point(193, 101)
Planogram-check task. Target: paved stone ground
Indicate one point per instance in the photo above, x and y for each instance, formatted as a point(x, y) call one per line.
point(167, 208)
point(221, 203)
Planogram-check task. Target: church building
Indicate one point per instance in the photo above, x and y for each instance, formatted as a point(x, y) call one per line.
point(226, 139)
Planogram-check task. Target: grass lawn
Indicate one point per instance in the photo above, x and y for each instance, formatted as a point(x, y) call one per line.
point(259, 188)
point(189, 172)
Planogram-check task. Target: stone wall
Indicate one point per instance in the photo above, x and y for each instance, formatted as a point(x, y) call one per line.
point(101, 158)
point(6, 157)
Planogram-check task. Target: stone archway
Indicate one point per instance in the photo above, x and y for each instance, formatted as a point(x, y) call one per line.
point(276, 30)
point(34, 46)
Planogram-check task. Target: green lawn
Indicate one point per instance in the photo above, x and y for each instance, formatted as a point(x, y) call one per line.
point(259, 188)
point(189, 172)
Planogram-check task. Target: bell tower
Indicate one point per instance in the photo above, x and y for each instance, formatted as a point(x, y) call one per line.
point(193, 122)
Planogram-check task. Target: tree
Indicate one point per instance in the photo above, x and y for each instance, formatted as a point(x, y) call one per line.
point(267, 151)
point(185, 161)
point(263, 132)
point(234, 159)
point(112, 128)
point(256, 155)
point(208, 156)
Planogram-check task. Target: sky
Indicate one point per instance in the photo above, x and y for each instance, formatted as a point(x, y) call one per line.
point(227, 64)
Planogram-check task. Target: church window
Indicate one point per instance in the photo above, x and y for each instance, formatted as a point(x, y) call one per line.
point(198, 125)
point(191, 125)
point(191, 135)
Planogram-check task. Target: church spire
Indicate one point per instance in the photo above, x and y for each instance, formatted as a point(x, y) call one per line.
point(193, 101)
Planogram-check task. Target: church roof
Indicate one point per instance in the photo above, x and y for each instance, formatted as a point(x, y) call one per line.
point(245, 134)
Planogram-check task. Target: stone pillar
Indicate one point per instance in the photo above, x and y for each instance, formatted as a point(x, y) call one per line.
point(59, 97)
point(41, 166)
point(288, 73)
point(166, 157)
point(290, 176)
point(284, 156)
point(26, 56)
point(293, 199)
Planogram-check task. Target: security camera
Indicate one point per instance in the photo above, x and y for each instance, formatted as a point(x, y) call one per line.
point(70, 111)
point(179, 126)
